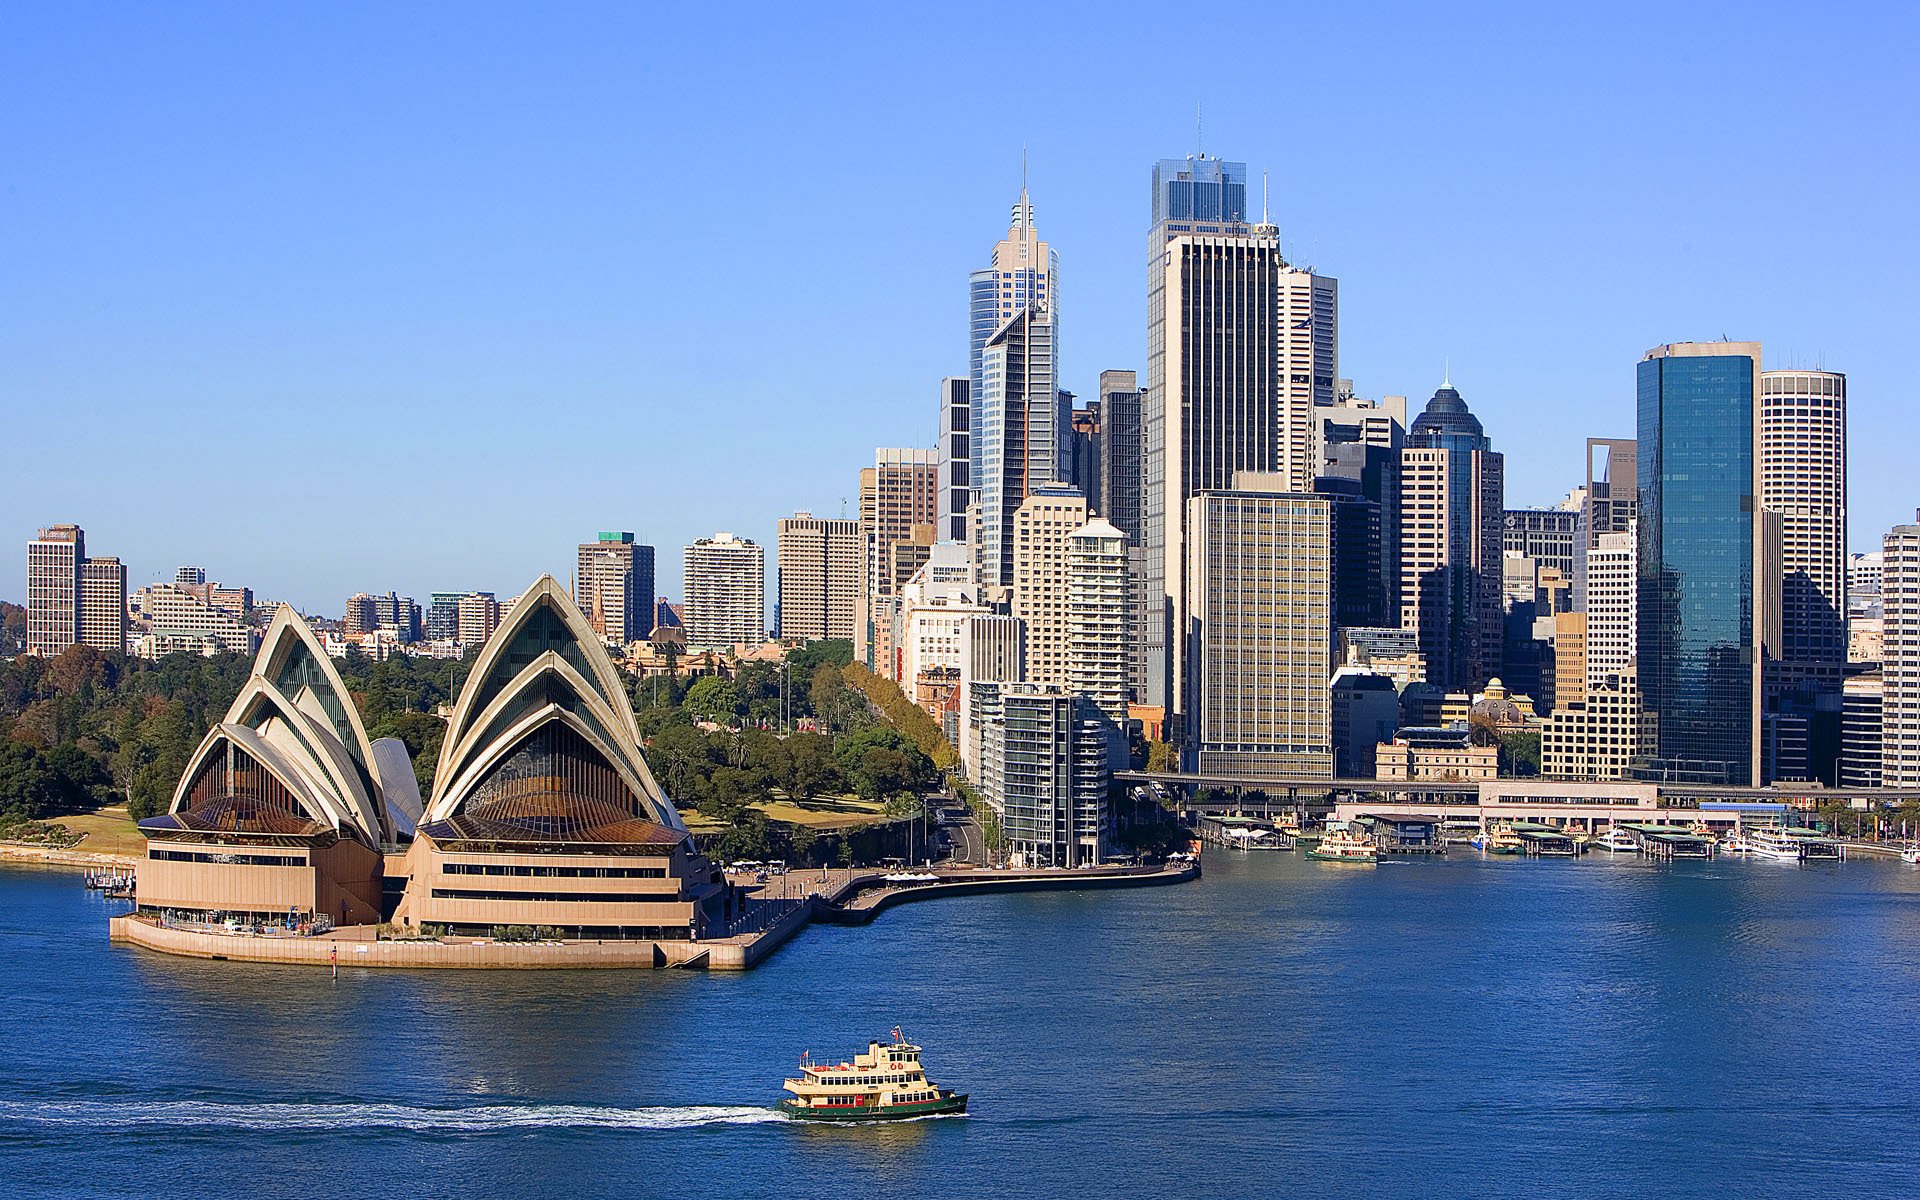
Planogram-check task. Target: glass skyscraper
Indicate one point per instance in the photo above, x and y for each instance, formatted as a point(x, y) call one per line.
point(1702, 572)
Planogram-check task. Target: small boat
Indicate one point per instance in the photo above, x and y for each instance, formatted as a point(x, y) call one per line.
point(1343, 846)
point(886, 1083)
point(1615, 841)
point(1736, 843)
point(1773, 843)
point(1910, 853)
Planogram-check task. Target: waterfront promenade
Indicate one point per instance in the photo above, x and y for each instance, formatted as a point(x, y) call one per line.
point(773, 911)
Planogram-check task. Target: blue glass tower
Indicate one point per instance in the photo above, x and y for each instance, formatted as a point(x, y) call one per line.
point(1701, 572)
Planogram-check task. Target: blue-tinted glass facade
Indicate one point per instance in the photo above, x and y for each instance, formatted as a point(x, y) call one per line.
point(1696, 653)
point(1206, 190)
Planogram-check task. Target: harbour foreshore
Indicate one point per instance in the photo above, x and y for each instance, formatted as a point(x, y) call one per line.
point(71, 859)
point(778, 909)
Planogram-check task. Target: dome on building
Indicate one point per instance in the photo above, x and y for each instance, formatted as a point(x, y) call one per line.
point(1446, 415)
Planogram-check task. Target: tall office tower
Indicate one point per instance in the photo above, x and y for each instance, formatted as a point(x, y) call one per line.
point(1803, 477)
point(1119, 487)
point(399, 614)
point(1705, 594)
point(54, 560)
point(955, 458)
point(900, 491)
point(103, 604)
point(1360, 445)
point(1241, 346)
point(1039, 536)
point(993, 650)
point(190, 576)
point(1546, 535)
point(1861, 725)
point(1608, 505)
point(1044, 768)
point(1451, 491)
point(1083, 453)
point(726, 592)
point(1100, 612)
point(1025, 272)
point(1259, 632)
point(613, 585)
point(443, 616)
point(1357, 542)
point(821, 575)
point(1612, 605)
point(1019, 433)
point(1900, 657)
point(360, 616)
point(479, 616)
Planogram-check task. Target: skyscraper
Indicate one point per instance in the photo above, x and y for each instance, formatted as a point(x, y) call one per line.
point(1608, 505)
point(1452, 487)
point(1900, 658)
point(1020, 433)
point(821, 574)
point(1040, 537)
point(1241, 345)
point(1100, 616)
point(1260, 632)
point(103, 604)
point(613, 586)
point(955, 458)
point(726, 592)
point(897, 493)
point(1702, 561)
point(1024, 272)
point(1612, 602)
point(1803, 477)
point(72, 598)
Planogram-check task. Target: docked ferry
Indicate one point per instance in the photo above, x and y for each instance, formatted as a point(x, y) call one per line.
point(1343, 846)
point(886, 1083)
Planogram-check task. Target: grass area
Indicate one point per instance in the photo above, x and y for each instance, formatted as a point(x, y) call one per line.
point(821, 812)
point(108, 831)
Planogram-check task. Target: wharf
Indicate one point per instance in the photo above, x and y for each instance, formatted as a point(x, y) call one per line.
point(776, 910)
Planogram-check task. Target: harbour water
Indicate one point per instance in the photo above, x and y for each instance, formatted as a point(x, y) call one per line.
point(1472, 1026)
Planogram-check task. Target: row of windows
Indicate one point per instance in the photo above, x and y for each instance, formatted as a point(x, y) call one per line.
point(236, 860)
point(547, 897)
point(457, 868)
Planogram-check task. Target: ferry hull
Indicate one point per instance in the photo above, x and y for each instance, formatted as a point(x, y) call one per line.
point(944, 1106)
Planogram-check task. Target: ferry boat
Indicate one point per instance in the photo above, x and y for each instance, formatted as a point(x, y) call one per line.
point(886, 1083)
point(1343, 846)
point(1616, 841)
point(1499, 841)
point(1910, 853)
point(1774, 843)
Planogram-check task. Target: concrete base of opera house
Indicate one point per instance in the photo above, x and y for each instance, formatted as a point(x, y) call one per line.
point(852, 897)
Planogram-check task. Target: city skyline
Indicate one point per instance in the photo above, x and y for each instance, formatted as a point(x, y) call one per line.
point(399, 320)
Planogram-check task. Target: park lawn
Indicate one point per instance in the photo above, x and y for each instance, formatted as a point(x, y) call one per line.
point(821, 812)
point(108, 831)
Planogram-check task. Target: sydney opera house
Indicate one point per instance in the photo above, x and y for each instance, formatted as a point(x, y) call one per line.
point(543, 811)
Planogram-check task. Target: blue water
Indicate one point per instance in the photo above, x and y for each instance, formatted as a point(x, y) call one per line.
point(1469, 1027)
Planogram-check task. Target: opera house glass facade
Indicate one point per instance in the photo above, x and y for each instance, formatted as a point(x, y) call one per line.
point(1700, 536)
point(543, 811)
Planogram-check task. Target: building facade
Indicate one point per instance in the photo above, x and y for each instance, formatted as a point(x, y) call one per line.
point(822, 572)
point(73, 599)
point(898, 494)
point(1803, 477)
point(1452, 484)
point(1900, 657)
point(613, 585)
point(726, 579)
point(1598, 736)
point(1043, 768)
point(1020, 433)
point(1041, 531)
point(1099, 618)
point(955, 455)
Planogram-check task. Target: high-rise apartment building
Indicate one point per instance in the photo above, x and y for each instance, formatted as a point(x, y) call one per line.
point(1039, 536)
point(1452, 487)
point(897, 494)
point(726, 579)
point(821, 576)
point(478, 615)
point(103, 604)
point(1241, 346)
point(955, 455)
point(72, 598)
point(1044, 769)
point(359, 616)
point(1020, 433)
point(1803, 477)
point(993, 650)
point(1900, 657)
point(1100, 616)
point(442, 617)
point(613, 585)
point(1613, 597)
point(1259, 632)
point(1702, 561)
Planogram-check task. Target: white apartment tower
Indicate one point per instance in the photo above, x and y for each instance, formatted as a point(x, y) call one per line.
point(1100, 610)
point(1040, 535)
point(1900, 658)
point(1803, 477)
point(726, 578)
point(1612, 602)
point(821, 575)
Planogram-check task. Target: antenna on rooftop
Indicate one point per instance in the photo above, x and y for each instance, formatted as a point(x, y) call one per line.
point(1263, 199)
point(1199, 146)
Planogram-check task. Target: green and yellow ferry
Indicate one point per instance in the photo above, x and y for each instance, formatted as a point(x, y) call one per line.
point(886, 1083)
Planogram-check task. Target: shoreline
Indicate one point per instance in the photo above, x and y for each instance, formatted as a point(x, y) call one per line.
point(73, 858)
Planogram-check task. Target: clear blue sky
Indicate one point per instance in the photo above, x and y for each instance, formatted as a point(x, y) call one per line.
point(417, 297)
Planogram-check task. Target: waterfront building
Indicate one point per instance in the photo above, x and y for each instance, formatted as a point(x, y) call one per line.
point(726, 578)
point(544, 811)
point(1900, 657)
point(1259, 637)
point(1437, 753)
point(955, 452)
point(993, 649)
point(1861, 729)
point(1241, 347)
point(1364, 710)
point(1706, 597)
point(822, 572)
point(898, 493)
point(478, 617)
point(1545, 535)
point(1044, 769)
point(613, 584)
point(1020, 433)
point(285, 807)
point(1040, 533)
point(1099, 619)
point(1451, 487)
point(178, 620)
point(1600, 735)
point(72, 599)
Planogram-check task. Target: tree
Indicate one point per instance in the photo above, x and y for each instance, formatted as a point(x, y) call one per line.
point(825, 689)
point(29, 787)
point(1159, 757)
point(810, 766)
point(1481, 730)
point(714, 698)
point(1520, 753)
point(680, 756)
point(882, 773)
